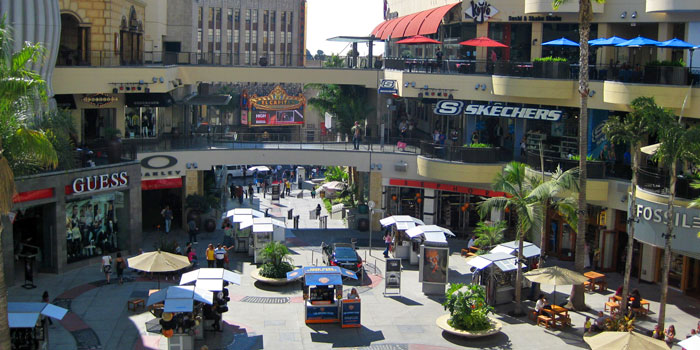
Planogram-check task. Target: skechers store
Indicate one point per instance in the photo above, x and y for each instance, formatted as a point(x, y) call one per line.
point(64, 220)
point(684, 273)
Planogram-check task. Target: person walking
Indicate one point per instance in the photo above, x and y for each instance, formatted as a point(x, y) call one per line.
point(288, 188)
point(356, 135)
point(167, 214)
point(107, 266)
point(45, 299)
point(313, 193)
point(387, 242)
point(220, 256)
point(250, 191)
point(192, 230)
point(318, 211)
point(121, 265)
point(210, 255)
point(239, 194)
point(232, 189)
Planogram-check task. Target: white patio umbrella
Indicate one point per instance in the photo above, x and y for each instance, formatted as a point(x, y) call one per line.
point(625, 341)
point(180, 298)
point(211, 279)
point(402, 222)
point(651, 149)
point(240, 214)
point(529, 249)
point(258, 168)
point(431, 233)
point(158, 261)
point(692, 343)
point(556, 276)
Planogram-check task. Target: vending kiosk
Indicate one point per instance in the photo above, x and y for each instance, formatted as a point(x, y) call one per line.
point(323, 295)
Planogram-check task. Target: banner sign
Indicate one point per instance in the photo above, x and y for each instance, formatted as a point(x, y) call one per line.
point(451, 107)
point(433, 265)
point(329, 312)
point(276, 108)
point(351, 313)
point(651, 225)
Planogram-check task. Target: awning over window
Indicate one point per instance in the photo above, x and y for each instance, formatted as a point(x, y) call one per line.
point(209, 100)
point(148, 99)
point(66, 101)
point(421, 23)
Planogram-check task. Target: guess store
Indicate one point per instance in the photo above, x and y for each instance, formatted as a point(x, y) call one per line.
point(64, 220)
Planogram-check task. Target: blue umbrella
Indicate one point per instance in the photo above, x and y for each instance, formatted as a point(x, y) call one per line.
point(560, 42)
point(611, 41)
point(676, 44)
point(638, 42)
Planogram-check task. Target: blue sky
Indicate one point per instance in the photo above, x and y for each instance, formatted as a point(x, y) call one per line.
point(329, 18)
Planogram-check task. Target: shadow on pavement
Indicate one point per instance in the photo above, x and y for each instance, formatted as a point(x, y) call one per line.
point(405, 301)
point(497, 341)
point(344, 338)
point(289, 288)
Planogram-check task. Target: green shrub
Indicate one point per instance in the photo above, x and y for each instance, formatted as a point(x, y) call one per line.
point(197, 202)
point(479, 145)
point(550, 59)
point(468, 308)
point(657, 63)
point(276, 260)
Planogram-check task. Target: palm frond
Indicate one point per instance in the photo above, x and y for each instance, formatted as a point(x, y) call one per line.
point(489, 204)
point(36, 145)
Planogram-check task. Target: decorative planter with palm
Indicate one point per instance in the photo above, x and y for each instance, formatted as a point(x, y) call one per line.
point(469, 312)
point(551, 68)
point(277, 263)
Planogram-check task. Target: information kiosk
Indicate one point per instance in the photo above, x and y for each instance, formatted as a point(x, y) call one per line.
point(323, 295)
point(28, 324)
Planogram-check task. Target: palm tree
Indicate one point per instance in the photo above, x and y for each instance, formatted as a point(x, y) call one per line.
point(678, 143)
point(632, 131)
point(546, 193)
point(489, 233)
point(19, 89)
point(348, 103)
point(585, 15)
point(518, 186)
point(277, 260)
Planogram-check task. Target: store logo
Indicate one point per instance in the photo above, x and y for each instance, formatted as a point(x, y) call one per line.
point(152, 163)
point(480, 11)
point(551, 115)
point(448, 107)
point(99, 182)
point(660, 216)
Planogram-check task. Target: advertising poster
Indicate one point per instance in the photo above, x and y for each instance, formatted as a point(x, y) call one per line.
point(433, 263)
point(275, 109)
point(351, 313)
point(393, 273)
point(91, 225)
point(322, 313)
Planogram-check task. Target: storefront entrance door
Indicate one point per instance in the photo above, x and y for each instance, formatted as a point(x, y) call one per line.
point(95, 122)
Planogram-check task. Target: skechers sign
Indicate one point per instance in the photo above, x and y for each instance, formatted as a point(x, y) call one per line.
point(450, 107)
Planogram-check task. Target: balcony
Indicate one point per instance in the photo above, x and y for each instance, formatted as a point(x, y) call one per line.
point(657, 181)
point(488, 155)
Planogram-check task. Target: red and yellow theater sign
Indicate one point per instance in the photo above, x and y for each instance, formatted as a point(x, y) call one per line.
point(277, 108)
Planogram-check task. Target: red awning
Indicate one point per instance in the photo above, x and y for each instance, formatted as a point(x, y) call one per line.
point(423, 23)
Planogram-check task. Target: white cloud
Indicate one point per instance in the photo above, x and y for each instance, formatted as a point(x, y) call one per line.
point(330, 18)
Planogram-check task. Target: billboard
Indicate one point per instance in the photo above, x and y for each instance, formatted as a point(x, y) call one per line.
point(276, 108)
point(433, 265)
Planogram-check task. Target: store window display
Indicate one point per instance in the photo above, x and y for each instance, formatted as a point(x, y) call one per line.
point(141, 121)
point(92, 226)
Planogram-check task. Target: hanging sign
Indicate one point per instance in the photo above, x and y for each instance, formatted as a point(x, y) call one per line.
point(480, 11)
point(99, 100)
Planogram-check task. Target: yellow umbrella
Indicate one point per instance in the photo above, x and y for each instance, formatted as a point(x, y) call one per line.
point(158, 262)
point(624, 341)
point(556, 276)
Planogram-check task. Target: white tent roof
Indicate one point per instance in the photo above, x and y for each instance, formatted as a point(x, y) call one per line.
point(211, 279)
point(240, 214)
point(402, 222)
point(505, 262)
point(529, 249)
point(261, 224)
point(25, 315)
point(424, 229)
point(180, 298)
point(692, 343)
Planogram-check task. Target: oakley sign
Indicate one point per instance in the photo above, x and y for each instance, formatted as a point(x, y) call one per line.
point(449, 107)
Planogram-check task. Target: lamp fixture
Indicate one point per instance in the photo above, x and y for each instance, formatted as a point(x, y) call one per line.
point(483, 87)
point(405, 84)
point(623, 14)
point(591, 93)
point(634, 14)
point(476, 87)
point(155, 79)
point(413, 84)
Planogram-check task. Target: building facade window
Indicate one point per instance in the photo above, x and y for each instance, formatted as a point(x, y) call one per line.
point(200, 28)
point(217, 31)
point(210, 30)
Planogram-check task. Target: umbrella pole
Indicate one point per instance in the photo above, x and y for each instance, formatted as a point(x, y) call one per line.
point(554, 295)
point(158, 280)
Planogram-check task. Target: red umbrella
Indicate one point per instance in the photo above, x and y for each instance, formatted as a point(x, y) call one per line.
point(482, 42)
point(418, 39)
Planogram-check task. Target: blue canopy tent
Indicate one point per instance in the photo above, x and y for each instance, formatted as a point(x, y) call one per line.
point(180, 298)
point(560, 42)
point(639, 41)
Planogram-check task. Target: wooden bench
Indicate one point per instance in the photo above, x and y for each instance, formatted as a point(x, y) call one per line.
point(543, 319)
point(612, 306)
point(133, 304)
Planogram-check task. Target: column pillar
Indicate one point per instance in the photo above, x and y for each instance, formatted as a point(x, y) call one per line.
point(194, 182)
point(536, 51)
point(605, 53)
point(429, 206)
point(376, 194)
point(482, 29)
point(665, 33)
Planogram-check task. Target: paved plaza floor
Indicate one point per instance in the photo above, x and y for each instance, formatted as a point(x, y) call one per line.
point(267, 317)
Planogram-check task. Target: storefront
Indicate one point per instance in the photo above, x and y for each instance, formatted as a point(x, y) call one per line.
point(65, 220)
point(684, 274)
point(600, 244)
point(145, 114)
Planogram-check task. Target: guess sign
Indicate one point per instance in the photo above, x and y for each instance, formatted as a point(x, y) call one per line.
point(99, 182)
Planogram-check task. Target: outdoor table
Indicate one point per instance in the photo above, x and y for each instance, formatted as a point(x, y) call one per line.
point(618, 299)
point(612, 306)
point(559, 315)
point(595, 278)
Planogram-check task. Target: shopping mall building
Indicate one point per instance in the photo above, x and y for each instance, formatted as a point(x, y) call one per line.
point(135, 69)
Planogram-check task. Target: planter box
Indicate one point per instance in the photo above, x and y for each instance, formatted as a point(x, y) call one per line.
point(502, 68)
point(478, 155)
point(666, 75)
point(551, 70)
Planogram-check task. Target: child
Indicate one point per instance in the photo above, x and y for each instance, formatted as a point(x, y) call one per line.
point(587, 329)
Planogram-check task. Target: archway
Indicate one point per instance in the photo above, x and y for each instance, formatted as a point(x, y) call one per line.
point(74, 46)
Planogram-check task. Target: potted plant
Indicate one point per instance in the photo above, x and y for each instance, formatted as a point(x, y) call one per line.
point(114, 145)
point(276, 264)
point(469, 312)
point(550, 67)
point(666, 72)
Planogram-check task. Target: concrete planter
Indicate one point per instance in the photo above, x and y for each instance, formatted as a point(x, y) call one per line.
point(271, 281)
point(551, 70)
point(442, 323)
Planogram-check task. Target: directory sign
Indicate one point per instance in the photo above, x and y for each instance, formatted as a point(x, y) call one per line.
point(393, 273)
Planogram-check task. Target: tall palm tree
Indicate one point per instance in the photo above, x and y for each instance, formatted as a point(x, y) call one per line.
point(19, 89)
point(489, 233)
point(546, 193)
point(678, 143)
point(632, 130)
point(585, 15)
point(515, 182)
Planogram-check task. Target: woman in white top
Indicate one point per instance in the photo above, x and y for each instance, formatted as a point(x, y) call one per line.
point(107, 266)
point(541, 302)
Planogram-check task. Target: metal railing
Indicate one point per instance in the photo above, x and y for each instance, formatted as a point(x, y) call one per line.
point(657, 181)
point(596, 169)
point(462, 154)
point(105, 58)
